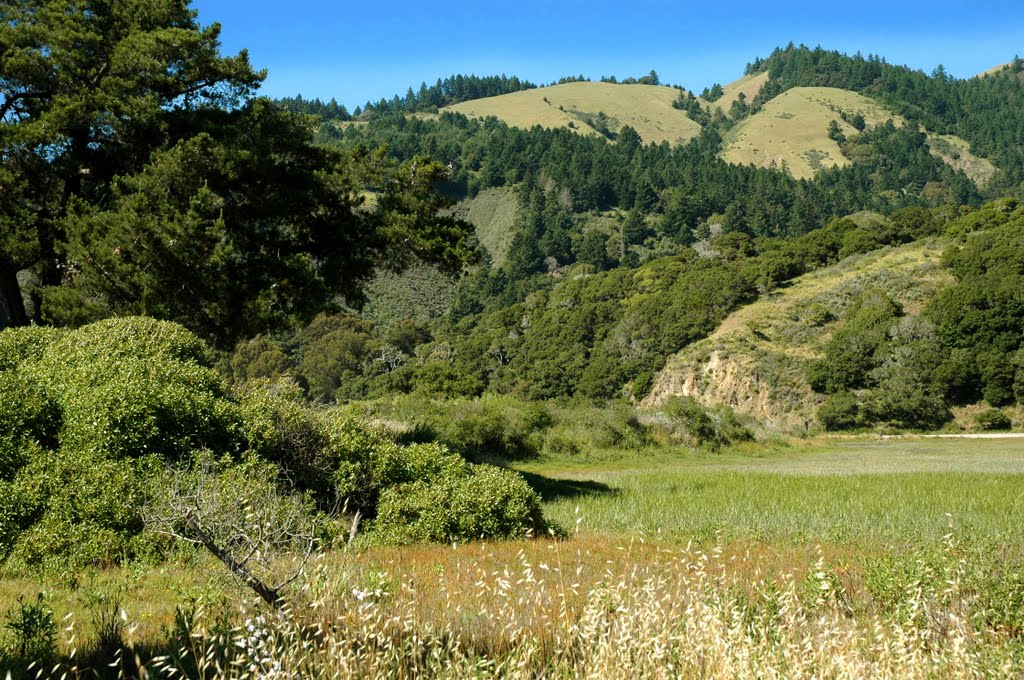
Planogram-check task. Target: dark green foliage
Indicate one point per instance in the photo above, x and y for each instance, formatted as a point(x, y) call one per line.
point(993, 419)
point(892, 359)
point(333, 350)
point(258, 357)
point(841, 411)
point(712, 94)
point(134, 164)
point(957, 378)
point(835, 133)
point(982, 316)
point(592, 249)
point(326, 111)
point(857, 346)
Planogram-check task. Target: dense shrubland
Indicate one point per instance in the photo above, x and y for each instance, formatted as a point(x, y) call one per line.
point(94, 417)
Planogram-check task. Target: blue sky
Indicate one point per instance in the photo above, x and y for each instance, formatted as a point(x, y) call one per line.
point(373, 49)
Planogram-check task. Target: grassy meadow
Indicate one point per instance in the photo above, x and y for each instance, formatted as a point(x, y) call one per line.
point(830, 558)
point(646, 108)
point(793, 129)
point(872, 493)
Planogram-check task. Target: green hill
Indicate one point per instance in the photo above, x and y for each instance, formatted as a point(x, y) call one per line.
point(493, 214)
point(646, 108)
point(792, 130)
point(757, 359)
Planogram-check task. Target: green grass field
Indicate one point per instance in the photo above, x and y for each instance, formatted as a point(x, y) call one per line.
point(868, 491)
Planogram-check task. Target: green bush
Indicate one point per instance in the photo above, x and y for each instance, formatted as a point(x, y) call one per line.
point(71, 509)
point(88, 421)
point(18, 345)
point(27, 416)
point(695, 421)
point(841, 411)
point(993, 419)
point(461, 504)
point(136, 386)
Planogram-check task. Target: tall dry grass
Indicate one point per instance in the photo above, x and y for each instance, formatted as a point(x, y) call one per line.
point(660, 614)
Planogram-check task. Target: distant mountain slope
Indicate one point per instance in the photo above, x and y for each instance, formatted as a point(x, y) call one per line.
point(994, 70)
point(792, 129)
point(756, 361)
point(748, 86)
point(646, 108)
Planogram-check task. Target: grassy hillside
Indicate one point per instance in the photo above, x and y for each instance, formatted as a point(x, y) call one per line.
point(646, 108)
point(493, 213)
point(956, 153)
point(994, 70)
point(757, 359)
point(792, 129)
point(749, 86)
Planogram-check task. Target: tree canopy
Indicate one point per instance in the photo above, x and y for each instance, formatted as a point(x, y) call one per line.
point(140, 174)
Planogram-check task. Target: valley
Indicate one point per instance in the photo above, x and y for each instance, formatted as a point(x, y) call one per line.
point(502, 378)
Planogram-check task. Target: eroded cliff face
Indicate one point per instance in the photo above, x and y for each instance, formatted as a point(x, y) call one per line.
point(756, 362)
point(721, 377)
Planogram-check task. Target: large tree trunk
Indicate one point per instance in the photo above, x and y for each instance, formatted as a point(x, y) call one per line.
point(12, 307)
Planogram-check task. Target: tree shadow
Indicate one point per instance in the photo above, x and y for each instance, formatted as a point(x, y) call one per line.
point(553, 489)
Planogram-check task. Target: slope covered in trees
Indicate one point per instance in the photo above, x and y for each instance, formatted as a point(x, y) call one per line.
point(982, 111)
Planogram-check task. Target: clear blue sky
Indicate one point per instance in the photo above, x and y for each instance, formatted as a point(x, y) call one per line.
point(356, 51)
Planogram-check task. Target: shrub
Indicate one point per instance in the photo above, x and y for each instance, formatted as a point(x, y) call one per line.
point(27, 415)
point(132, 387)
point(30, 630)
point(841, 411)
point(71, 509)
point(91, 419)
point(461, 504)
point(695, 422)
point(18, 345)
point(993, 419)
point(642, 384)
